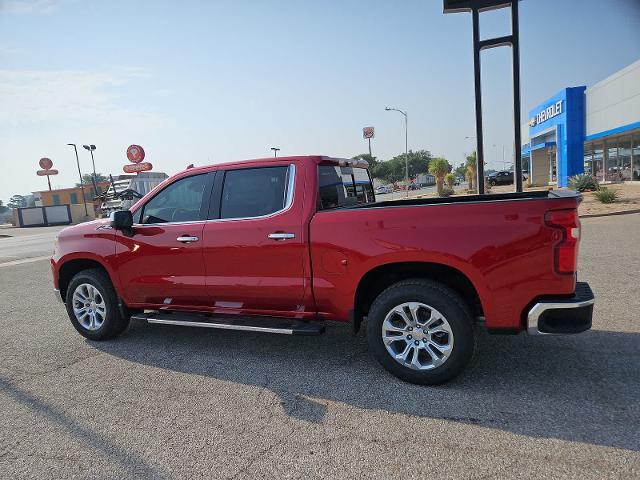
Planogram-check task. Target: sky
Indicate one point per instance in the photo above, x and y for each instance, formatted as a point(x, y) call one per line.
point(211, 81)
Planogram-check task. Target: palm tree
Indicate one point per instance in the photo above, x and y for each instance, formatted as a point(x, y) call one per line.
point(439, 167)
point(472, 167)
point(450, 179)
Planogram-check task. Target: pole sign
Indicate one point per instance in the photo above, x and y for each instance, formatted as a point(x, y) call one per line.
point(137, 167)
point(46, 164)
point(47, 172)
point(368, 132)
point(135, 154)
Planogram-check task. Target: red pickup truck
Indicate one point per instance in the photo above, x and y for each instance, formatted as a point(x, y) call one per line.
point(283, 245)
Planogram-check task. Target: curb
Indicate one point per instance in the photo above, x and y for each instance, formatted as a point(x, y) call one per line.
point(3, 235)
point(624, 212)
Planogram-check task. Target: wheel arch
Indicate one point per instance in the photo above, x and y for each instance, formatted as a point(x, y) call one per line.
point(379, 278)
point(69, 268)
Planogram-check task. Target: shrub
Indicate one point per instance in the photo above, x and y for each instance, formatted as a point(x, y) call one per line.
point(604, 195)
point(584, 182)
point(446, 191)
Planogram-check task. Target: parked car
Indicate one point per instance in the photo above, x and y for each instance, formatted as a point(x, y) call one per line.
point(503, 177)
point(383, 189)
point(414, 186)
point(285, 245)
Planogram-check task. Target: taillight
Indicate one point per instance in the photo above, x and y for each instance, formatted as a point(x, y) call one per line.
point(566, 250)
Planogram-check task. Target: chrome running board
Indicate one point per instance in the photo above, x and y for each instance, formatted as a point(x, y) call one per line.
point(283, 326)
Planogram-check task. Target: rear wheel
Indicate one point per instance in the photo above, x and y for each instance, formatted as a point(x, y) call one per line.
point(92, 305)
point(421, 331)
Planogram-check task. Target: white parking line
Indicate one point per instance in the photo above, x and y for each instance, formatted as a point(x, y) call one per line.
point(24, 260)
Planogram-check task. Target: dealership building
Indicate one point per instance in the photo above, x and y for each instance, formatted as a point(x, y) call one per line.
point(583, 129)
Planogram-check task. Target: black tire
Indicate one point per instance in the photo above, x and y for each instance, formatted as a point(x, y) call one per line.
point(441, 298)
point(492, 183)
point(114, 322)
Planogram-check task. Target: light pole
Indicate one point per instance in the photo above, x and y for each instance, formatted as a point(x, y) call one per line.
point(91, 148)
point(406, 145)
point(275, 151)
point(84, 200)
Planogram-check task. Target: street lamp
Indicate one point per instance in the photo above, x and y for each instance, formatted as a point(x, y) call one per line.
point(91, 148)
point(275, 151)
point(406, 144)
point(84, 200)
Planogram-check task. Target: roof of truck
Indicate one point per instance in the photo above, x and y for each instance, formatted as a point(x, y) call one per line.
point(295, 158)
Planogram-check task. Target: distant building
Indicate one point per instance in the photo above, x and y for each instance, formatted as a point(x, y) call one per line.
point(67, 196)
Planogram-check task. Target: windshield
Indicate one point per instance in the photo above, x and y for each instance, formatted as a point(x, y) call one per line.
point(343, 187)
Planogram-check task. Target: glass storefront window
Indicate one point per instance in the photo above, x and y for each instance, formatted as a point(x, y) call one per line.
point(612, 164)
point(597, 159)
point(588, 159)
point(636, 156)
point(624, 158)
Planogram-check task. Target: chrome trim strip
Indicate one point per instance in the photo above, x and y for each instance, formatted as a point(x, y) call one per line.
point(58, 295)
point(288, 201)
point(539, 308)
point(222, 326)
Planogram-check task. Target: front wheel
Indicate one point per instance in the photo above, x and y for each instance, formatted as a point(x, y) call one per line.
point(92, 305)
point(421, 332)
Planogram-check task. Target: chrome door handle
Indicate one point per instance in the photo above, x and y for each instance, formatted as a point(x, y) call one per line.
point(187, 239)
point(281, 236)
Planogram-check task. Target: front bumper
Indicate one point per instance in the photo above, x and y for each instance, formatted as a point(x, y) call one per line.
point(562, 315)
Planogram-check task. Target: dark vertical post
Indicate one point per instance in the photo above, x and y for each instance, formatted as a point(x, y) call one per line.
point(369, 147)
point(49, 182)
point(478, 92)
point(95, 185)
point(515, 52)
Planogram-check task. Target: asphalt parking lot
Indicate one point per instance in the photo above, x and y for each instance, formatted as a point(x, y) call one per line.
point(171, 402)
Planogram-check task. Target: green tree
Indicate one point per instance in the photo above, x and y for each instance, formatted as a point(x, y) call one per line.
point(461, 171)
point(394, 170)
point(3, 208)
point(87, 178)
point(17, 201)
point(439, 167)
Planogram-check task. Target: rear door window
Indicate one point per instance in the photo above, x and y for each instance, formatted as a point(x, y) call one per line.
point(254, 192)
point(343, 187)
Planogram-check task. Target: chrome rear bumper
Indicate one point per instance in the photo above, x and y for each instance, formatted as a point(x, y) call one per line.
point(563, 315)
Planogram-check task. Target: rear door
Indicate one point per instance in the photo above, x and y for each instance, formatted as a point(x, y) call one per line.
point(254, 243)
point(162, 263)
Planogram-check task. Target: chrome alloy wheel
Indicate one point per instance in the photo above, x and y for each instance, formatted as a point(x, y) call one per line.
point(417, 336)
point(89, 306)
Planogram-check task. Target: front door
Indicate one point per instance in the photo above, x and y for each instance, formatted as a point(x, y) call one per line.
point(161, 263)
point(254, 245)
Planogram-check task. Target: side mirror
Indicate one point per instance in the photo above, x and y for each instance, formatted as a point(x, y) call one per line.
point(121, 220)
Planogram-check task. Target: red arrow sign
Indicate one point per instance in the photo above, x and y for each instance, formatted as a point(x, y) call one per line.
point(44, 173)
point(137, 167)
